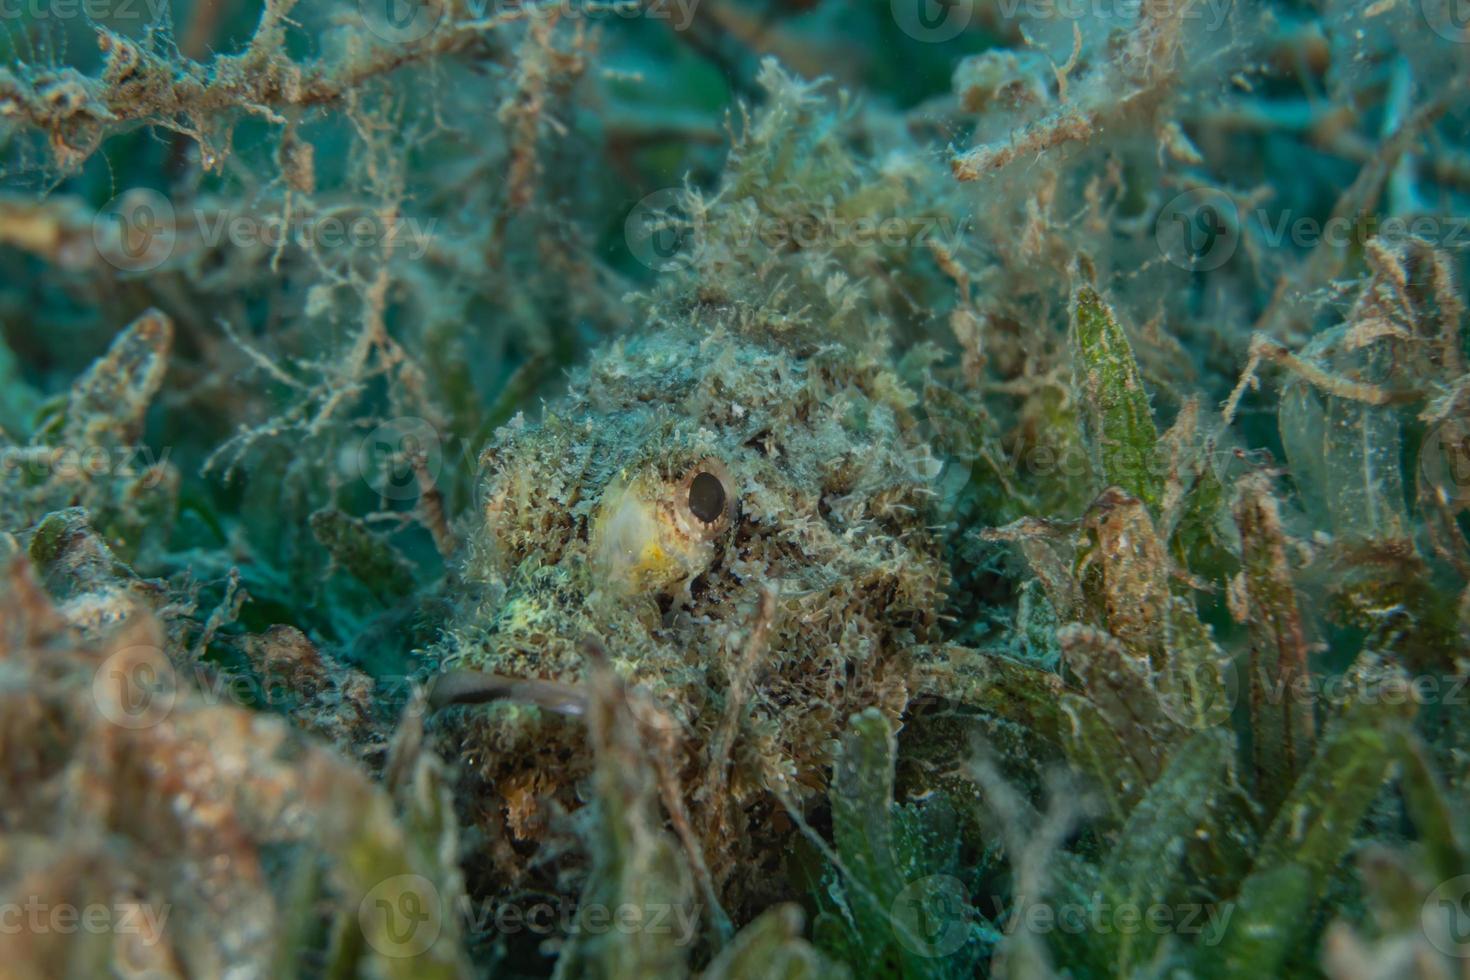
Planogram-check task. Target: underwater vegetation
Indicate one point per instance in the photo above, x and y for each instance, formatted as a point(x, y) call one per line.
point(734, 488)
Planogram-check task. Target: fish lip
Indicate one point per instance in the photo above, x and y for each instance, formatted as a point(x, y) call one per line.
point(461, 686)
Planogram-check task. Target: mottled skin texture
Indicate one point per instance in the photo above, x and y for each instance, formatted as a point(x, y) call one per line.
point(586, 532)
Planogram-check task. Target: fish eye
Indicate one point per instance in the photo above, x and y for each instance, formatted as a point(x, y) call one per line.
point(706, 497)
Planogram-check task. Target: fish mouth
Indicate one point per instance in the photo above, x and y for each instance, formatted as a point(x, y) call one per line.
point(551, 637)
point(463, 686)
point(551, 631)
point(460, 686)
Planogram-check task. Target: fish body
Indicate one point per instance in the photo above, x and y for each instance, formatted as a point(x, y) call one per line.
point(686, 473)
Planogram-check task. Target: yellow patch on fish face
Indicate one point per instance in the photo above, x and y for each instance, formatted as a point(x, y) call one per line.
point(650, 534)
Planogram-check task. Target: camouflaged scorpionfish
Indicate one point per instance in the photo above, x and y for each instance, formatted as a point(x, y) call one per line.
point(684, 473)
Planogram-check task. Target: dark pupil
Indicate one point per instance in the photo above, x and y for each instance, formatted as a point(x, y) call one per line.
point(706, 497)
